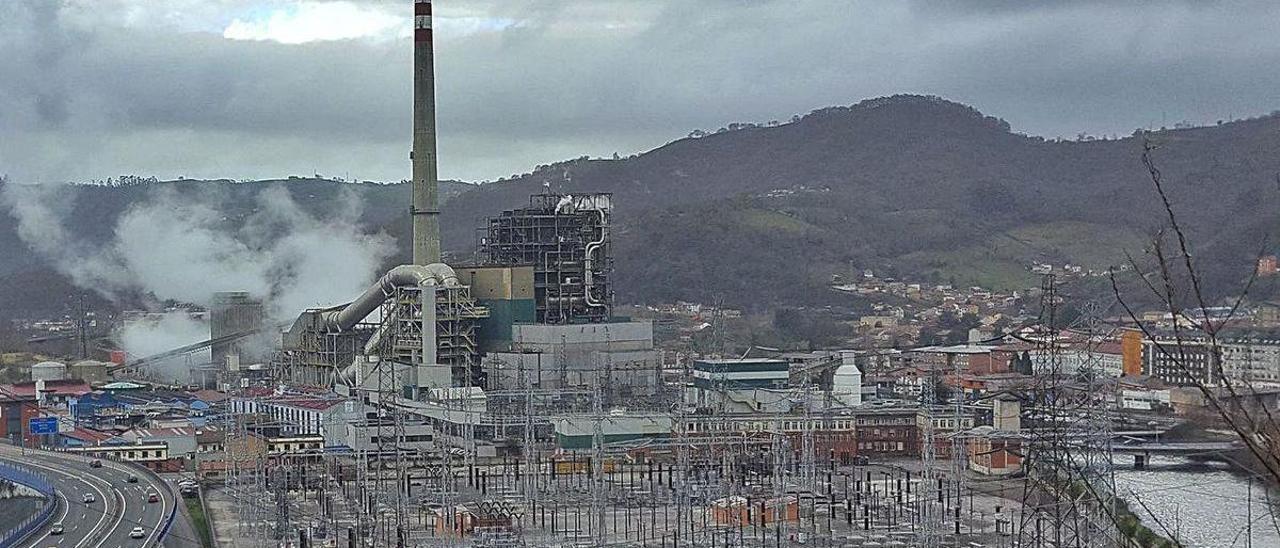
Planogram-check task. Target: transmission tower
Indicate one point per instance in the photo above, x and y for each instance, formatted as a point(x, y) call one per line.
point(390, 491)
point(682, 464)
point(780, 451)
point(717, 324)
point(930, 514)
point(959, 446)
point(1092, 456)
point(279, 485)
point(808, 453)
point(1069, 498)
point(599, 537)
point(528, 447)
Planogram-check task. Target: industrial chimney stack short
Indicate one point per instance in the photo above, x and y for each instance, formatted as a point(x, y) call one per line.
point(425, 208)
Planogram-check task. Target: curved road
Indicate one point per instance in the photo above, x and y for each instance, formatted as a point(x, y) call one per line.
point(120, 505)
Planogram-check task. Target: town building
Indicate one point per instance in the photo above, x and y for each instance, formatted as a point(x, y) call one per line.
point(1255, 362)
point(16, 410)
point(973, 358)
point(1267, 266)
point(180, 443)
point(1102, 358)
point(325, 416)
point(1189, 363)
point(757, 382)
point(151, 455)
point(364, 435)
point(52, 393)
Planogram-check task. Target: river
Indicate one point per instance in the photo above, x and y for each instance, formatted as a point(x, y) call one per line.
point(1206, 504)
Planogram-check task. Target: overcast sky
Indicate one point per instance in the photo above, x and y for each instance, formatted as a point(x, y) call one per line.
point(267, 88)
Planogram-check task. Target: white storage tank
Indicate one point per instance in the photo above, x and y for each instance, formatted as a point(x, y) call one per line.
point(49, 371)
point(846, 386)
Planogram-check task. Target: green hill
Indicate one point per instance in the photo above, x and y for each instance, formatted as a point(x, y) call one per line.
point(917, 186)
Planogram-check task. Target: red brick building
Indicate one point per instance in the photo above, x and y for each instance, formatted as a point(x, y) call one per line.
point(994, 452)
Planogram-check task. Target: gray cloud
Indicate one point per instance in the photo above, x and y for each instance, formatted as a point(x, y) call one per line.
point(543, 81)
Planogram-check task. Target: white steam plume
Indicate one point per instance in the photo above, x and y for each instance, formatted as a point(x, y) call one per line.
point(186, 248)
point(173, 247)
point(39, 210)
point(156, 333)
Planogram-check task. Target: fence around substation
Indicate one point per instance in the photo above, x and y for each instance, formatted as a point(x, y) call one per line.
point(20, 475)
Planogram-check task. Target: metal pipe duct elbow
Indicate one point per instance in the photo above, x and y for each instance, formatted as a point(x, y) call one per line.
point(350, 376)
point(444, 274)
point(587, 273)
point(400, 276)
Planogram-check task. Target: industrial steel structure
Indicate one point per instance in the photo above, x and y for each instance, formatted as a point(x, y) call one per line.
point(326, 347)
point(234, 312)
point(566, 239)
point(501, 405)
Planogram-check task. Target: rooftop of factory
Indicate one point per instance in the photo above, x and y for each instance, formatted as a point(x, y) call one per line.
point(163, 432)
point(731, 361)
point(315, 404)
point(89, 435)
point(64, 387)
point(955, 349)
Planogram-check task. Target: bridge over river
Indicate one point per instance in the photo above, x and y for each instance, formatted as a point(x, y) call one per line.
point(1142, 449)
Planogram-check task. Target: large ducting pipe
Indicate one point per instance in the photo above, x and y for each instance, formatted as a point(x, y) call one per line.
point(372, 298)
point(588, 270)
point(426, 205)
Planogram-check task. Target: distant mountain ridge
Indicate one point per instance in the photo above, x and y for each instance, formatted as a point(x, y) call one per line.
point(911, 185)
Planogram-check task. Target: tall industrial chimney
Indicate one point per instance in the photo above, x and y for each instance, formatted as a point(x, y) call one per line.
point(426, 207)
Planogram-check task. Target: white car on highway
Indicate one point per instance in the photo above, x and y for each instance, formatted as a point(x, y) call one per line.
point(137, 532)
point(88, 498)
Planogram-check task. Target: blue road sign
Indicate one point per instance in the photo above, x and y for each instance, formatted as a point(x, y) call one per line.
point(44, 425)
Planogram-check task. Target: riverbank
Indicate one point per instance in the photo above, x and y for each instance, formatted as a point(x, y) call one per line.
point(1202, 504)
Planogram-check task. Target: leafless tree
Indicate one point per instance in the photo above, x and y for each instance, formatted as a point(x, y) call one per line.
point(1172, 278)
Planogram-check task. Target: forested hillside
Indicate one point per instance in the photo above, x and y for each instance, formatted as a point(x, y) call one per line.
point(918, 186)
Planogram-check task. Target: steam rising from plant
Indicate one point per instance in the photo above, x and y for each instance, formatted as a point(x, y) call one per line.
point(172, 247)
point(157, 333)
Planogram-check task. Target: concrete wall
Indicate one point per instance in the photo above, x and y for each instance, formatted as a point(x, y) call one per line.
point(362, 436)
point(634, 335)
point(498, 282)
point(632, 371)
point(578, 433)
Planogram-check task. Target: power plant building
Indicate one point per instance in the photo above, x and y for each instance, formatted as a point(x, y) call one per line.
point(233, 312)
point(565, 238)
point(507, 291)
point(617, 357)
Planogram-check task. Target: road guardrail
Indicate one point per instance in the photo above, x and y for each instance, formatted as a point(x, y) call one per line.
point(37, 482)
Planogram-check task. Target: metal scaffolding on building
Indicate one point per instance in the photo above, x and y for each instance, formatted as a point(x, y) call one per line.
point(566, 238)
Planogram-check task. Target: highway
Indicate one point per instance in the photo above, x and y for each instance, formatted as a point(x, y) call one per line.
point(119, 506)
